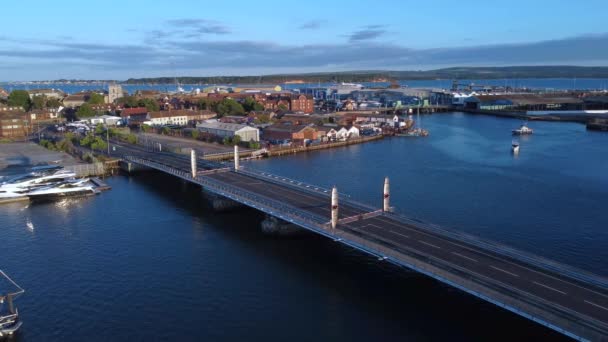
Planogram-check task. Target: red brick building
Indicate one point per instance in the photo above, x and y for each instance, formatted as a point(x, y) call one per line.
point(302, 103)
point(14, 124)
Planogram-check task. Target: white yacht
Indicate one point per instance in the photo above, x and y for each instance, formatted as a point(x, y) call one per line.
point(62, 190)
point(523, 130)
point(36, 179)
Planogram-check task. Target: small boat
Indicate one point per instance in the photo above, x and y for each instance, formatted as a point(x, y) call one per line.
point(9, 315)
point(523, 130)
point(515, 147)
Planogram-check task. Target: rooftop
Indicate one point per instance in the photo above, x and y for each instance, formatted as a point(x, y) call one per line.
point(224, 126)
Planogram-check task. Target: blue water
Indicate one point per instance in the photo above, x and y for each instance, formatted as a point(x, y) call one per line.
point(549, 200)
point(148, 261)
point(533, 83)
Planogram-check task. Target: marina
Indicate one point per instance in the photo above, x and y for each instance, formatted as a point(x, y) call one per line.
point(47, 183)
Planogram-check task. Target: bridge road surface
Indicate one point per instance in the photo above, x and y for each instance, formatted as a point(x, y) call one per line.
point(526, 279)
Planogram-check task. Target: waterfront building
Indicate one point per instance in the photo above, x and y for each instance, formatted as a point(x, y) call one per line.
point(230, 130)
point(48, 93)
point(285, 133)
point(524, 102)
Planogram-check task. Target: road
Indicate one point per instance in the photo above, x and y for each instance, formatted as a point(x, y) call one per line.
point(530, 284)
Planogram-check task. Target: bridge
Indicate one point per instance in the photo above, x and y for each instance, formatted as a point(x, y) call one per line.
point(568, 300)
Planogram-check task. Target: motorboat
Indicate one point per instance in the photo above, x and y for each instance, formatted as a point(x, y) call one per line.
point(62, 190)
point(523, 130)
point(515, 147)
point(9, 315)
point(35, 179)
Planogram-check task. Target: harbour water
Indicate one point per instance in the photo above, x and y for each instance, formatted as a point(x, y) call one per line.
point(148, 261)
point(532, 83)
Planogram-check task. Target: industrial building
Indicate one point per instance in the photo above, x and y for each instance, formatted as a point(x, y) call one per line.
point(220, 129)
point(524, 102)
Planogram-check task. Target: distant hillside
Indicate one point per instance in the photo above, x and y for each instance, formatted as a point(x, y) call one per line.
point(382, 75)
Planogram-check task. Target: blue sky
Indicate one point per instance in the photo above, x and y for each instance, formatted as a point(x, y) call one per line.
point(114, 39)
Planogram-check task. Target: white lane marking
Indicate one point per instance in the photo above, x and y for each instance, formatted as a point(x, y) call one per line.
point(599, 306)
point(476, 251)
point(549, 287)
point(501, 270)
point(464, 256)
point(429, 244)
point(396, 233)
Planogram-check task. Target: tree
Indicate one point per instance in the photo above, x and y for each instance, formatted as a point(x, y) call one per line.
point(150, 104)
point(53, 103)
point(282, 107)
point(98, 144)
point(236, 140)
point(262, 118)
point(85, 110)
point(204, 104)
point(254, 145)
point(229, 107)
point(19, 98)
point(250, 104)
point(65, 145)
point(127, 101)
point(132, 139)
point(99, 129)
point(146, 128)
point(96, 99)
point(38, 102)
point(195, 134)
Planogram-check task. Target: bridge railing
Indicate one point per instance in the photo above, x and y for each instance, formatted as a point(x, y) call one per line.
point(506, 251)
point(482, 286)
point(233, 192)
point(504, 295)
point(345, 198)
point(500, 249)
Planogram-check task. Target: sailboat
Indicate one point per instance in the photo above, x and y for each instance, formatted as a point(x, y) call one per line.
point(9, 315)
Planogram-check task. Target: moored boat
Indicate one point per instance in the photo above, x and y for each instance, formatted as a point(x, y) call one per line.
point(63, 190)
point(523, 130)
point(515, 147)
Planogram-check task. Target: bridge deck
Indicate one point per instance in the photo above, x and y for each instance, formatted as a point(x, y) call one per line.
point(573, 303)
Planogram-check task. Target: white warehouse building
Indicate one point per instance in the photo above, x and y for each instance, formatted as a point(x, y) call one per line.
point(220, 129)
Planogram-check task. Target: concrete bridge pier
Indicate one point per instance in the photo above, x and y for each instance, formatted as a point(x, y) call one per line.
point(131, 168)
point(275, 226)
point(220, 203)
